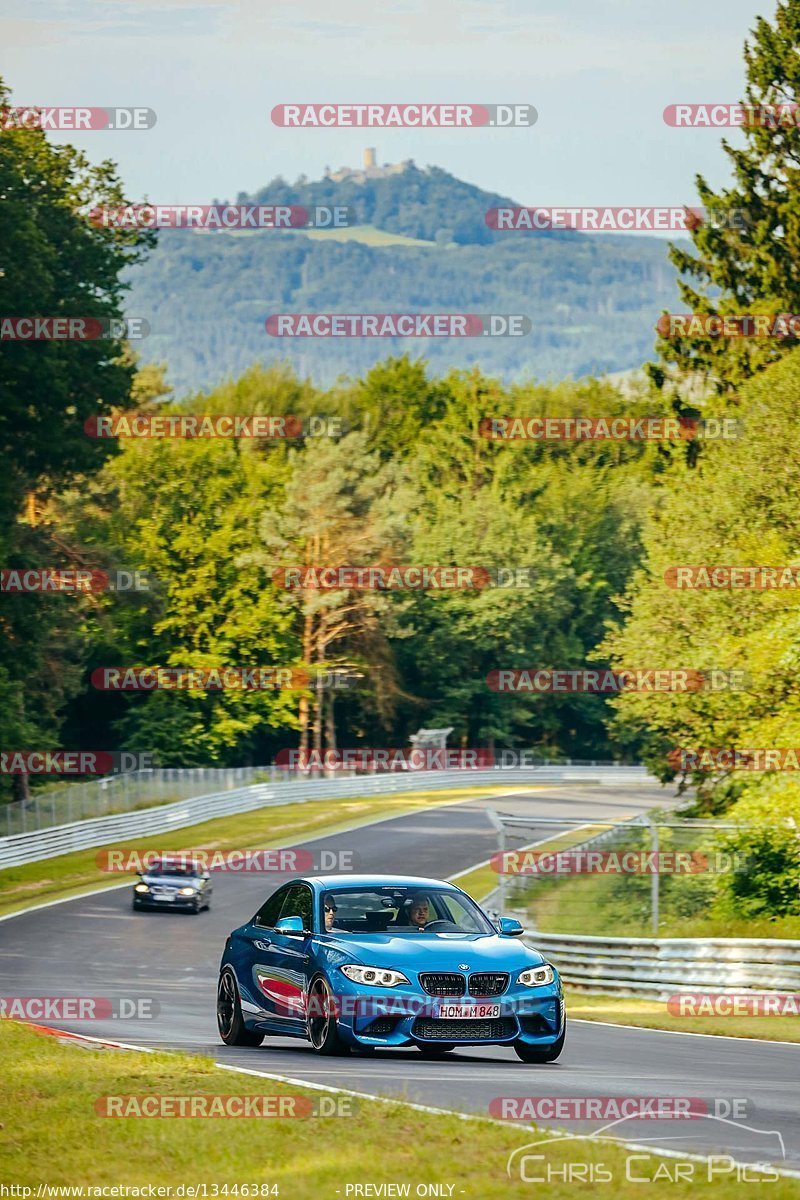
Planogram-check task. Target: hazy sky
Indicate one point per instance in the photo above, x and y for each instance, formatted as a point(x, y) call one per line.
point(599, 72)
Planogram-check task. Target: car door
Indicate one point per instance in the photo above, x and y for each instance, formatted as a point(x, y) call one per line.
point(250, 948)
point(280, 960)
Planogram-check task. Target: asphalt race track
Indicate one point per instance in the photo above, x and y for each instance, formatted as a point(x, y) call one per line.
point(95, 946)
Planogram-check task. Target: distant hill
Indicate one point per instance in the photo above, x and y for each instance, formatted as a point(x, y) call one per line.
point(421, 244)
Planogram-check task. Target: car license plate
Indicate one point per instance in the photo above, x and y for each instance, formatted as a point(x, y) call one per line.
point(157, 897)
point(468, 1012)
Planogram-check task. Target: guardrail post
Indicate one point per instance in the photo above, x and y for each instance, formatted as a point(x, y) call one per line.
point(654, 878)
point(501, 847)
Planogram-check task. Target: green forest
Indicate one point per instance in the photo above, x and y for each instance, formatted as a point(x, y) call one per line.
point(593, 300)
point(407, 478)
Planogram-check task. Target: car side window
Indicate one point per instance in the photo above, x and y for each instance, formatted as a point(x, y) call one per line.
point(269, 913)
point(297, 903)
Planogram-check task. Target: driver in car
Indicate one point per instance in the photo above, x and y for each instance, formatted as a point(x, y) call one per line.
point(419, 913)
point(330, 915)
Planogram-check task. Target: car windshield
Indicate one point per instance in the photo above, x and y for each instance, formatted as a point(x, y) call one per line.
point(406, 910)
point(167, 868)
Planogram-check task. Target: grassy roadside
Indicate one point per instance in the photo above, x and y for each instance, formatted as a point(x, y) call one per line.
point(653, 1014)
point(479, 881)
point(646, 1014)
point(70, 874)
point(591, 905)
point(52, 1133)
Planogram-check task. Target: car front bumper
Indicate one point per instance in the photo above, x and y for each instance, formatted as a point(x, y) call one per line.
point(405, 1017)
point(143, 900)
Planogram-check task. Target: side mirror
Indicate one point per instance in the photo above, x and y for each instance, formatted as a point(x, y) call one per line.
point(291, 925)
point(509, 927)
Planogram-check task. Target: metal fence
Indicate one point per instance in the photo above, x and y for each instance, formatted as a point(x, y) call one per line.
point(49, 841)
point(126, 792)
point(133, 790)
point(663, 967)
point(636, 875)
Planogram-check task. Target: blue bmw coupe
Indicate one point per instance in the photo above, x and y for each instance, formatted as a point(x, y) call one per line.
point(382, 960)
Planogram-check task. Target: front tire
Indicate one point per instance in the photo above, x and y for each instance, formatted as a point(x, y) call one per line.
point(541, 1054)
point(230, 1022)
point(321, 1024)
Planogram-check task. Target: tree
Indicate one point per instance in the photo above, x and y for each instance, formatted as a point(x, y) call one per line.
point(554, 509)
point(187, 511)
point(337, 511)
point(55, 263)
point(747, 254)
point(738, 507)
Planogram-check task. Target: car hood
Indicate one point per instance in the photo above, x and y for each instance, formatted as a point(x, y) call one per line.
point(436, 951)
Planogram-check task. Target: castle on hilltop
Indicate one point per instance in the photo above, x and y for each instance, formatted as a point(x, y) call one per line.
point(370, 169)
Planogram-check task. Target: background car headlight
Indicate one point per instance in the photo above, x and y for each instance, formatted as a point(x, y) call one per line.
point(141, 887)
point(378, 976)
point(537, 976)
point(187, 891)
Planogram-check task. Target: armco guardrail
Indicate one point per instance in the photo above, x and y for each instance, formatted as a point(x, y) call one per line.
point(81, 835)
point(663, 967)
point(64, 803)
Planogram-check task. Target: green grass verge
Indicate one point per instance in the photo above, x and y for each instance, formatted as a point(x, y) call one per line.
point(592, 905)
point(479, 881)
point(51, 1133)
point(653, 1014)
point(281, 825)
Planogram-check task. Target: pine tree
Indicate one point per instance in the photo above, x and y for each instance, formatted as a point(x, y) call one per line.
point(747, 251)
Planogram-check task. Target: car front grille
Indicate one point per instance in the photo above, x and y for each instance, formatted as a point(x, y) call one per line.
point(489, 983)
point(434, 1029)
point(443, 983)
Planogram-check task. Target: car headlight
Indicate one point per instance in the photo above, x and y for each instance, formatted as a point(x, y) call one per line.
point(537, 976)
point(187, 891)
point(378, 976)
point(142, 887)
